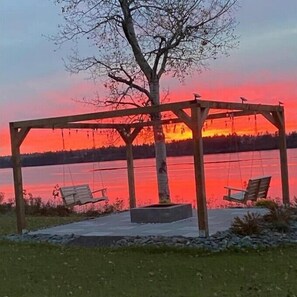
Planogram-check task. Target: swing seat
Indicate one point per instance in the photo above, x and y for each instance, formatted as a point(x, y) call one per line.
point(80, 195)
point(256, 188)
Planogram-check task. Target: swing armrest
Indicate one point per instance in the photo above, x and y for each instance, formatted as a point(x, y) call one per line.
point(103, 191)
point(235, 189)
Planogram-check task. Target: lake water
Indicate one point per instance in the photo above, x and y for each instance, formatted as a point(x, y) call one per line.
point(220, 170)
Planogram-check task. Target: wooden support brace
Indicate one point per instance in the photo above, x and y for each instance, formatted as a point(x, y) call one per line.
point(183, 116)
point(269, 116)
point(20, 135)
point(279, 119)
point(127, 135)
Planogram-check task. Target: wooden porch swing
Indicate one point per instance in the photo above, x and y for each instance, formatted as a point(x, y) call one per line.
point(257, 187)
point(81, 194)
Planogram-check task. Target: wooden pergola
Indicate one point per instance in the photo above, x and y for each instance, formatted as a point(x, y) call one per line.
point(192, 113)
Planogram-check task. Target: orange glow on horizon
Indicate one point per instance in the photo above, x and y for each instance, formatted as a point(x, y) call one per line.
point(46, 140)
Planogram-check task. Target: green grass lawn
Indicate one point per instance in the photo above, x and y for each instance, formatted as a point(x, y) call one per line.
point(48, 270)
point(8, 222)
point(45, 270)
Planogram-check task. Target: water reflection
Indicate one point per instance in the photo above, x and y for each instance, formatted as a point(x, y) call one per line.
point(220, 170)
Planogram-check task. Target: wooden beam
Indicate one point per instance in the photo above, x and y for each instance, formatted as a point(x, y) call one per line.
point(16, 138)
point(51, 122)
point(178, 120)
point(105, 125)
point(94, 126)
point(197, 115)
point(151, 123)
point(227, 114)
point(237, 106)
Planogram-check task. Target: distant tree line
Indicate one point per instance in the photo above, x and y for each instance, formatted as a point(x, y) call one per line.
point(212, 145)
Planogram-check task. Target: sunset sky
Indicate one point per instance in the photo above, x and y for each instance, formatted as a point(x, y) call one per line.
point(34, 83)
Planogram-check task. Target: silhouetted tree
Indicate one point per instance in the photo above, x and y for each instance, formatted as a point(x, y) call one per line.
point(136, 42)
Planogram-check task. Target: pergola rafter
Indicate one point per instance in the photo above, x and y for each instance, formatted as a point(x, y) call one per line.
point(192, 113)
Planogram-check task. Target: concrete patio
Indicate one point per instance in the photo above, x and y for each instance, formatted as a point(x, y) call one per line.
point(119, 225)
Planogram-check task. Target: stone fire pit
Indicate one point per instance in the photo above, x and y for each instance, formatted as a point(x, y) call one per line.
point(161, 213)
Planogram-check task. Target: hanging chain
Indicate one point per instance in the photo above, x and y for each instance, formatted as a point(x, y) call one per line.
point(64, 154)
point(94, 146)
point(254, 144)
point(98, 168)
point(259, 151)
point(63, 165)
point(233, 136)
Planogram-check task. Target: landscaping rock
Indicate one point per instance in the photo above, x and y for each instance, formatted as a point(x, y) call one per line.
point(220, 241)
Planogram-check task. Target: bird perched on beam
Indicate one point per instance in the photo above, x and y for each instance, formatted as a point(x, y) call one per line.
point(196, 96)
point(243, 99)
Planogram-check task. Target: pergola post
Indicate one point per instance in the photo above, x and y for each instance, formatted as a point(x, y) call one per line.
point(128, 138)
point(283, 158)
point(131, 180)
point(17, 138)
point(197, 123)
point(277, 118)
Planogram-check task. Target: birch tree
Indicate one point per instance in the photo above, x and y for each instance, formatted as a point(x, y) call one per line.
point(134, 43)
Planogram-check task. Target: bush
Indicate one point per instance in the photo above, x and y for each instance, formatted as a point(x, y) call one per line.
point(107, 208)
point(115, 207)
point(1, 197)
point(279, 218)
point(264, 203)
point(251, 223)
point(6, 207)
point(294, 204)
point(34, 206)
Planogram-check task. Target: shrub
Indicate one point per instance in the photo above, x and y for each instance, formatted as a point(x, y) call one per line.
point(34, 206)
point(264, 203)
point(6, 207)
point(114, 207)
point(294, 204)
point(279, 218)
point(1, 197)
point(49, 209)
point(251, 223)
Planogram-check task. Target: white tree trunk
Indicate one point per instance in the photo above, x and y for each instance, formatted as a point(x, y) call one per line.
point(160, 147)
